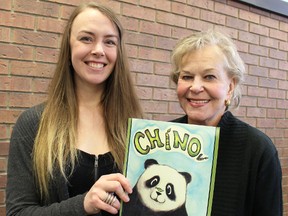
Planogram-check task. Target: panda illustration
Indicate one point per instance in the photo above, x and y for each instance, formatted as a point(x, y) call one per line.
point(160, 190)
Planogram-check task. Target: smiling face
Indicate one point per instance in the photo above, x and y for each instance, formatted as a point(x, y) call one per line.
point(203, 85)
point(94, 40)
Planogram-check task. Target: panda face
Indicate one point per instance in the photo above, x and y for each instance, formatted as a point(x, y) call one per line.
point(162, 188)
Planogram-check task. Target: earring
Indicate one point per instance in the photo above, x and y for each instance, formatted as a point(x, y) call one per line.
point(227, 102)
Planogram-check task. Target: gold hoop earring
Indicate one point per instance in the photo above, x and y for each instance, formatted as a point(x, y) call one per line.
point(227, 102)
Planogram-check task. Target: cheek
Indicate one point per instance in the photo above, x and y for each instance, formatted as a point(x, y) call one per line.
point(181, 90)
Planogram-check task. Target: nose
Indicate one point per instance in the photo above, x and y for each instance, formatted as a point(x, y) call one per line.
point(196, 85)
point(98, 50)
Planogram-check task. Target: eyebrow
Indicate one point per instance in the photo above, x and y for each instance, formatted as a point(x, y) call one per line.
point(106, 36)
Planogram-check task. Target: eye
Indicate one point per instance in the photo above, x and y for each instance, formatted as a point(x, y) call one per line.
point(111, 42)
point(186, 77)
point(152, 182)
point(86, 39)
point(170, 191)
point(210, 77)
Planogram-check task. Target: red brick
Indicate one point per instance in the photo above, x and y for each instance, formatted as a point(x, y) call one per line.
point(140, 39)
point(15, 84)
point(132, 51)
point(181, 9)
point(16, 20)
point(47, 55)
point(278, 34)
point(257, 91)
point(50, 25)
point(278, 74)
point(3, 66)
point(162, 68)
point(266, 21)
point(213, 17)
point(42, 8)
point(141, 66)
point(36, 38)
point(162, 5)
point(258, 71)
point(154, 54)
point(9, 117)
point(5, 34)
point(267, 82)
point(226, 9)
point(6, 5)
point(138, 12)
point(258, 50)
point(237, 23)
point(35, 69)
point(275, 113)
point(249, 16)
point(164, 94)
point(267, 102)
point(16, 52)
point(144, 92)
point(182, 32)
point(155, 106)
point(283, 85)
point(174, 108)
point(165, 43)
point(4, 131)
point(171, 19)
point(3, 166)
point(40, 85)
point(276, 93)
point(258, 29)
point(130, 24)
point(155, 28)
point(266, 123)
point(205, 4)
point(152, 80)
point(256, 112)
point(268, 42)
point(199, 25)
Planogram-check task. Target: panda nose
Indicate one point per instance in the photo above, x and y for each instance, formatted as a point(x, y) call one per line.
point(158, 193)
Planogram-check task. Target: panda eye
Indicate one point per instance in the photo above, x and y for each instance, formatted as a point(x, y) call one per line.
point(152, 182)
point(170, 191)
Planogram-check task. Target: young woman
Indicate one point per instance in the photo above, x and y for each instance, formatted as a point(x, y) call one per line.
point(66, 154)
point(208, 72)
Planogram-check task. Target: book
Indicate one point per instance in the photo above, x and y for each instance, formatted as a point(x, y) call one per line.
point(171, 167)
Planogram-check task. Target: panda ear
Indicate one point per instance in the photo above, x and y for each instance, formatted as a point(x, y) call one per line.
point(149, 162)
point(187, 176)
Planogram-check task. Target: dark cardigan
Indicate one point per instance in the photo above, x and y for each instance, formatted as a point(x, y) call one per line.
point(248, 174)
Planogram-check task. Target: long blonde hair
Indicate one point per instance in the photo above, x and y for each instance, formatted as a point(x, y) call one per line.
point(55, 143)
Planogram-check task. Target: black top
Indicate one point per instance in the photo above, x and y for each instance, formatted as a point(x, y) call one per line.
point(248, 173)
point(87, 170)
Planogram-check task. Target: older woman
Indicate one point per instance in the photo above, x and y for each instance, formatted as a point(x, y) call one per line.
point(208, 72)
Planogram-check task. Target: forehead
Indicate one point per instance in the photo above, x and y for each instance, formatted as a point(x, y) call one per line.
point(208, 55)
point(91, 19)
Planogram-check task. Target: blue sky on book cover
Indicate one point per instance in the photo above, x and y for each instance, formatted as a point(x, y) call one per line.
point(200, 165)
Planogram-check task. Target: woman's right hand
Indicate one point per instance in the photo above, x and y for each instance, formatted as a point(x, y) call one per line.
point(95, 198)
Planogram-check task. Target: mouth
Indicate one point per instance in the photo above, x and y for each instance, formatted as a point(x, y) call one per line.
point(96, 65)
point(198, 101)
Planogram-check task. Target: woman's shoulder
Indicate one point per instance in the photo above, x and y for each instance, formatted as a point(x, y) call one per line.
point(254, 136)
point(29, 119)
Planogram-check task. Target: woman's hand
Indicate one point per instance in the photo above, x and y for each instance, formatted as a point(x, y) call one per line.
point(99, 195)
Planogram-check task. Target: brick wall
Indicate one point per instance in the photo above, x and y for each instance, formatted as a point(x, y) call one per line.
point(30, 34)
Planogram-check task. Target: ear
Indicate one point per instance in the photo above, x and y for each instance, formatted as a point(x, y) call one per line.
point(149, 162)
point(231, 88)
point(187, 176)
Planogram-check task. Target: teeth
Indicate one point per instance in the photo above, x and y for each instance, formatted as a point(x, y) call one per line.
point(96, 65)
point(199, 101)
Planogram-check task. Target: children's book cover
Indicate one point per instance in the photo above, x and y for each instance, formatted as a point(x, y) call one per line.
point(171, 167)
